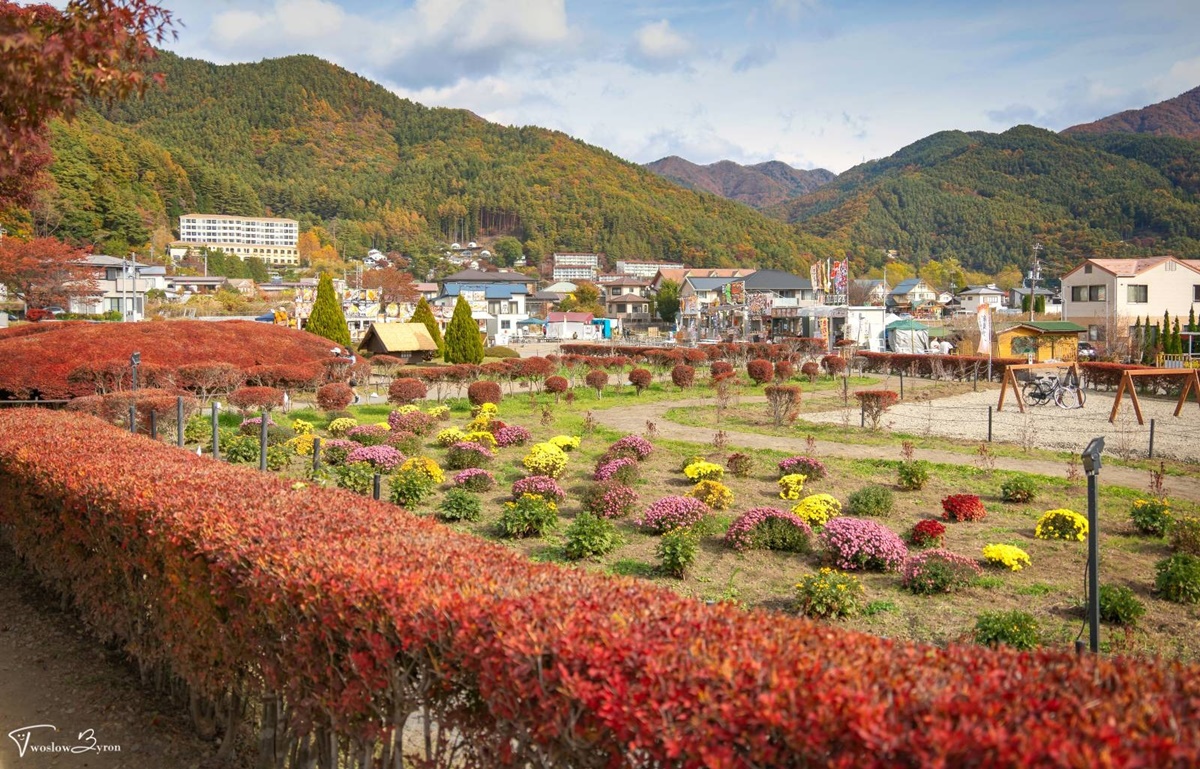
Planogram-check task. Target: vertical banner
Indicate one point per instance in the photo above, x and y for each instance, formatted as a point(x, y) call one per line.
point(841, 274)
point(984, 317)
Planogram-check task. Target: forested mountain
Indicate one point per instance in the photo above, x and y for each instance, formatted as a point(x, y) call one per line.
point(760, 185)
point(984, 199)
point(1179, 117)
point(300, 137)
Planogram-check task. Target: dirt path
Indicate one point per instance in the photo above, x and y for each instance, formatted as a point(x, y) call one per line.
point(53, 672)
point(634, 420)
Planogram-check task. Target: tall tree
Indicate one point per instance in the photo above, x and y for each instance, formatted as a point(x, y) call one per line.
point(668, 300)
point(52, 59)
point(463, 344)
point(327, 318)
point(425, 315)
point(508, 250)
point(393, 285)
point(44, 271)
point(1039, 304)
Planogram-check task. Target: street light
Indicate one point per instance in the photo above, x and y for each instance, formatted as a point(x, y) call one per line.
point(1035, 275)
point(1091, 466)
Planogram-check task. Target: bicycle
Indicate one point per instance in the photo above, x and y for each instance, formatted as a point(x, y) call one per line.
point(1066, 395)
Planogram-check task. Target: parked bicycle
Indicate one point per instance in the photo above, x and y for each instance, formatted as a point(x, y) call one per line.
point(1067, 393)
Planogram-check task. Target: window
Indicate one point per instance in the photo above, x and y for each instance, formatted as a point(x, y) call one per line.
point(622, 308)
point(1079, 293)
point(1087, 268)
point(504, 325)
point(1196, 293)
point(1096, 333)
point(1096, 293)
point(1138, 294)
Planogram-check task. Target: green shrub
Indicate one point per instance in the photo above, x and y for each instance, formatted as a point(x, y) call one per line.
point(870, 500)
point(1119, 605)
point(912, 476)
point(1185, 535)
point(677, 552)
point(409, 487)
point(829, 593)
point(1151, 517)
point(589, 536)
point(460, 505)
point(530, 515)
point(1178, 578)
point(500, 352)
point(358, 477)
point(279, 456)
point(1017, 629)
point(237, 449)
point(198, 429)
point(1018, 489)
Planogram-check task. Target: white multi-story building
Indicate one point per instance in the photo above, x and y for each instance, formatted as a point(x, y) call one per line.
point(271, 239)
point(646, 270)
point(574, 266)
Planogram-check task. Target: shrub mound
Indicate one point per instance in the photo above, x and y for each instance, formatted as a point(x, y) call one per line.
point(345, 608)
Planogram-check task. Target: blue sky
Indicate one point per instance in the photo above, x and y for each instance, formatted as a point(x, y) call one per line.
point(815, 83)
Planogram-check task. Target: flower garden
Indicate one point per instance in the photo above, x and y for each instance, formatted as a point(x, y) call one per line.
point(495, 570)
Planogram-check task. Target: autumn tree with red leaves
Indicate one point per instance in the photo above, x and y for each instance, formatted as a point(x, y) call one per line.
point(44, 271)
point(52, 60)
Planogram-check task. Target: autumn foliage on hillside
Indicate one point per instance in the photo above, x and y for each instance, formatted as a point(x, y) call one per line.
point(357, 615)
point(65, 360)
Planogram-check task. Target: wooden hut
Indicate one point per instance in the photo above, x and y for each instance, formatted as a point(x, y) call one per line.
point(1046, 339)
point(410, 341)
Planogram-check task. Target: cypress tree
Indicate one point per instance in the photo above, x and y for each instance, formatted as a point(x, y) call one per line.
point(425, 315)
point(1192, 319)
point(327, 318)
point(1176, 339)
point(463, 344)
point(1137, 341)
point(1025, 303)
point(1039, 305)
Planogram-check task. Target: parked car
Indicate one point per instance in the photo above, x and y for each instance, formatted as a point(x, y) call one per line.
point(1087, 351)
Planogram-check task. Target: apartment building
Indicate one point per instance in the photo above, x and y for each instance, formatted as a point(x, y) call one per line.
point(271, 239)
point(646, 270)
point(575, 266)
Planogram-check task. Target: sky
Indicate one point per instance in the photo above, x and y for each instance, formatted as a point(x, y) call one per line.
point(814, 83)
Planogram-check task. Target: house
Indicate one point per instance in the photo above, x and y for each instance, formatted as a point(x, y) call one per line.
point(491, 277)
point(1108, 295)
point(1045, 340)
point(1016, 296)
point(540, 302)
point(429, 291)
point(496, 306)
point(244, 286)
point(571, 325)
point(871, 293)
point(971, 299)
point(121, 286)
point(626, 299)
point(680, 275)
point(181, 286)
point(910, 294)
point(410, 341)
point(778, 284)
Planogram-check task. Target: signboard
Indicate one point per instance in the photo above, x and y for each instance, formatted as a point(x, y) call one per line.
point(476, 299)
point(984, 317)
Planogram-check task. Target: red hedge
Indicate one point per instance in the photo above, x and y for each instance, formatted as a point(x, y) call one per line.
point(683, 375)
point(761, 371)
point(256, 398)
point(483, 392)
point(406, 390)
point(640, 378)
point(350, 609)
point(720, 368)
point(556, 384)
point(334, 396)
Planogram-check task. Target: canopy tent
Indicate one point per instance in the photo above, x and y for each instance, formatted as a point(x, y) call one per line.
point(531, 322)
point(907, 336)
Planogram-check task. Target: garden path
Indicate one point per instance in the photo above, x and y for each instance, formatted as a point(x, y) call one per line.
point(633, 419)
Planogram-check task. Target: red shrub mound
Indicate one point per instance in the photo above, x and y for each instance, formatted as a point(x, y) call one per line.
point(346, 609)
point(406, 390)
point(683, 376)
point(334, 396)
point(482, 392)
point(114, 407)
point(256, 398)
point(556, 385)
point(720, 368)
point(596, 380)
point(39, 363)
point(640, 378)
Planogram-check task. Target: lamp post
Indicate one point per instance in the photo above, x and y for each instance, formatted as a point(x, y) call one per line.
point(1035, 275)
point(1091, 466)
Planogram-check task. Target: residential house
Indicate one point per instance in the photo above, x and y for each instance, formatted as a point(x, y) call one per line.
point(626, 299)
point(910, 294)
point(492, 277)
point(680, 275)
point(121, 286)
point(539, 303)
point(182, 286)
point(1016, 298)
point(496, 307)
point(873, 292)
point(772, 298)
point(971, 299)
point(1108, 295)
point(429, 291)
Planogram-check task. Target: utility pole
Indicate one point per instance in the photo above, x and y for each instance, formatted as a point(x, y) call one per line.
point(1035, 275)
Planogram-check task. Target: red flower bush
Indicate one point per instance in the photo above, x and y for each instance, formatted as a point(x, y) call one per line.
point(720, 368)
point(596, 380)
point(256, 398)
point(834, 365)
point(334, 396)
point(927, 533)
point(640, 378)
point(405, 390)
point(683, 375)
point(760, 371)
point(963, 507)
point(483, 391)
point(340, 608)
point(556, 385)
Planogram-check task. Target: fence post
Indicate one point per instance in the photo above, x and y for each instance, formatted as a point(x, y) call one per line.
point(862, 413)
point(179, 421)
point(153, 425)
point(901, 385)
point(133, 419)
point(976, 385)
point(316, 454)
point(375, 486)
point(216, 447)
point(262, 442)
point(989, 424)
point(1152, 438)
point(845, 389)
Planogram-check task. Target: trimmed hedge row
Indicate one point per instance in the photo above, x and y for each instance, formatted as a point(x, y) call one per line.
point(357, 614)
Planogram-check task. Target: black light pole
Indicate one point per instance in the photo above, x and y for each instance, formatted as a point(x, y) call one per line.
point(216, 444)
point(135, 360)
point(1091, 465)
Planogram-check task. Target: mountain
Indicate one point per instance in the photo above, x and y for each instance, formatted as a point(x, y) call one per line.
point(302, 138)
point(761, 185)
point(984, 199)
point(1178, 117)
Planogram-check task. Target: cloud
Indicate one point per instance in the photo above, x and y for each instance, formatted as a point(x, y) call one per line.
point(755, 58)
point(1082, 100)
point(699, 144)
point(1013, 114)
point(793, 9)
point(658, 47)
point(429, 43)
point(1182, 76)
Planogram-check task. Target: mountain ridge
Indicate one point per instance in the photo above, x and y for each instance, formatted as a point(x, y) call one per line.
point(758, 186)
point(1178, 116)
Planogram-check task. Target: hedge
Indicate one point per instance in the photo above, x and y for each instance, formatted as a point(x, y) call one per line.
point(357, 615)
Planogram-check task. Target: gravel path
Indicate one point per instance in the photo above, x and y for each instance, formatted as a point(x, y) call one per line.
point(634, 420)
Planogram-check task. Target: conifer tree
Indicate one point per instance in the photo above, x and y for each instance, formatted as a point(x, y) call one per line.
point(1176, 339)
point(1039, 305)
point(327, 318)
point(463, 344)
point(1192, 319)
point(1136, 338)
point(425, 315)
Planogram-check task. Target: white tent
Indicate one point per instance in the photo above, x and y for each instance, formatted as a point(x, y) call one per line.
point(908, 336)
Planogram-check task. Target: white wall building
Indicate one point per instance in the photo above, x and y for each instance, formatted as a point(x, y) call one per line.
point(121, 286)
point(977, 295)
point(271, 239)
point(646, 270)
point(1107, 295)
